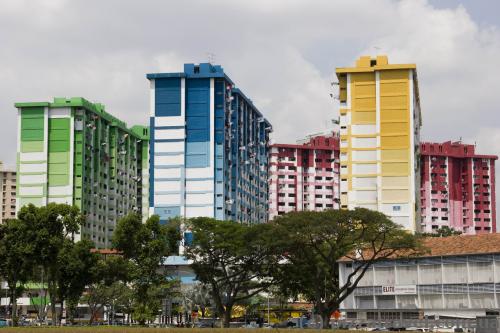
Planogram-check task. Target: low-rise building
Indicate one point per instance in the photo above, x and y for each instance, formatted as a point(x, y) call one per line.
point(458, 278)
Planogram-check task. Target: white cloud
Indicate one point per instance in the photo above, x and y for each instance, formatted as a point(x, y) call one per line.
point(281, 53)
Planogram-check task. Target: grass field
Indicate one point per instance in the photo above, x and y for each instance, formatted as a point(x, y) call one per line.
point(142, 330)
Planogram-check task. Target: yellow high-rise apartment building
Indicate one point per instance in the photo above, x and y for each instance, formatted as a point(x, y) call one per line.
point(379, 139)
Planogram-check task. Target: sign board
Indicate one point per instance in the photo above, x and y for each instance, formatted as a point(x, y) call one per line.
point(399, 290)
point(336, 314)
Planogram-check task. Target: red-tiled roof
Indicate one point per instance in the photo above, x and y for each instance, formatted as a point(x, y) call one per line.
point(105, 251)
point(462, 245)
point(453, 246)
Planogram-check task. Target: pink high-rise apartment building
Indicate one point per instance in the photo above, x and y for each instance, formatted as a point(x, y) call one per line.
point(304, 176)
point(457, 188)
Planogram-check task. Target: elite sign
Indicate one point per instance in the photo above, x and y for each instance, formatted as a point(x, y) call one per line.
point(399, 290)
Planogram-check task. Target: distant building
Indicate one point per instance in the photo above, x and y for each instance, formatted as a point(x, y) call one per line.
point(458, 188)
point(72, 151)
point(209, 147)
point(459, 278)
point(304, 176)
point(379, 139)
point(8, 194)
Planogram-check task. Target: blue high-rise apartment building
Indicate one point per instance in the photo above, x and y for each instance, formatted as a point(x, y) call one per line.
point(208, 147)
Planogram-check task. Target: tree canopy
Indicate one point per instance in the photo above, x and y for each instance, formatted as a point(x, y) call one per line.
point(295, 255)
point(312, 243)
point(234, 260)
point(145, 245)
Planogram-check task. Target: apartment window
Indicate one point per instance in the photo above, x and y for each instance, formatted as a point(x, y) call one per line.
point(396, 208)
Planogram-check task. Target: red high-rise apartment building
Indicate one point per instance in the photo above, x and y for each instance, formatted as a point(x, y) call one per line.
point(304, 176)
point(457, 188)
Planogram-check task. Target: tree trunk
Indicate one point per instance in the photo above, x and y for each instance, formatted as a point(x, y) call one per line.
point(13, 301)
point(227, 316)
point(61, 310)
point(325, 318)
point(53, 302)
point(92, 316)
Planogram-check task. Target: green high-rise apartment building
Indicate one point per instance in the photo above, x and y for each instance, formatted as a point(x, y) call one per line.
point(72, 151)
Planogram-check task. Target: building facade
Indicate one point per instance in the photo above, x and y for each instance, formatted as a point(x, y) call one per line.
point(459, 278)
point(379, 139)
point(209, 147)
point(72, 151)
point(304, 176)
point(8, 194)
point(458, 188)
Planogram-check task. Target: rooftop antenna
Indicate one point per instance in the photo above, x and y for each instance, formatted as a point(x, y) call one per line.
point(211, 58)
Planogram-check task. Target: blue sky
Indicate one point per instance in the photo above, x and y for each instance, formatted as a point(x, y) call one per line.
point(281, 53)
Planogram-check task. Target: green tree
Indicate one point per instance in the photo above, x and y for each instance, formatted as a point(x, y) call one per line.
point(100, 295)
point(232, 259)
point(109, 283)
point(444, 231)
point(197, 295)
point(55, 225)
point(312, 243)
point(145, 245)
point(148, 306)
point(16, 258)
point(74, 262)
point(125, 302)
point(38, 241)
